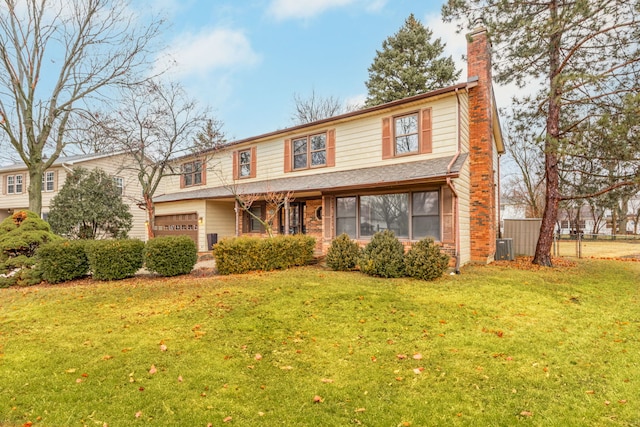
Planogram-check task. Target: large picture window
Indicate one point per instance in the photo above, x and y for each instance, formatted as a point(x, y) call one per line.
point(413, 215)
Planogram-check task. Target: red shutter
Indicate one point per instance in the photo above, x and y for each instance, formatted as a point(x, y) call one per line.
point(387, 146)
point(331, 147)
point(425, 131)
point(236, 174)
point(253, 163)
point(287, 155)
point(203, 172)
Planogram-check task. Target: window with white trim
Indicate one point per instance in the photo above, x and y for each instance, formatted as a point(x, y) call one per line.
point(14, 184)
point(48, 181)
point(118, 182)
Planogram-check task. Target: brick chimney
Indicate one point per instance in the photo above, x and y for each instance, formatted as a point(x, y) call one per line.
point(482, 152)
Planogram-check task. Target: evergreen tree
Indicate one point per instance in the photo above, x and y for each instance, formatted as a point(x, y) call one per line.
point(409, 64)
point(89, 206)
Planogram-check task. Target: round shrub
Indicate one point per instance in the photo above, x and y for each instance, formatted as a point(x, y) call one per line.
point(425, 261)
point(343, 253)
point(63, 260)
point(114, 259)
point(170, 255)
point(383, 256)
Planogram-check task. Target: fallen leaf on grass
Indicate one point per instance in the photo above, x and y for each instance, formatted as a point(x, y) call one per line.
point(153, 370)
point(258, 356)
point(227, 419)
point(317, 399)
point(138, 414)
point(179, 378)
point(326, 380)
point(163, 347)
point(286, 368)
point(360, 410)
point(417, 356)
point(590, 392)
point(401, 356)
point(526, 414)
point(417, 371)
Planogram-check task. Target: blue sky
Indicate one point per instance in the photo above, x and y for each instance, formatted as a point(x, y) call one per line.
point(246, 59)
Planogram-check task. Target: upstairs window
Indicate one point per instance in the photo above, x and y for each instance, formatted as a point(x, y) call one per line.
point(406, 134)
point(192, 174)
point(310, 151)
point(118, 182)
point(14, 184)
point(48, 181)
point(244, 163)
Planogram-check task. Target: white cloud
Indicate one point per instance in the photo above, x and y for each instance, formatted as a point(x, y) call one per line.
point(292, 9)
point(209, 50)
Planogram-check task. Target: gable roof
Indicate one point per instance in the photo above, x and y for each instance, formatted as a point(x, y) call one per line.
point(387, 175)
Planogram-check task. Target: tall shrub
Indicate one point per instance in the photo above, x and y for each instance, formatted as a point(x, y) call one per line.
point(115, 259)
point(425, 260)
point(170, 255)
point(383, 256)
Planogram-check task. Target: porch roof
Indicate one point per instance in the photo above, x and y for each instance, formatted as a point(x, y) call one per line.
point(372, 177)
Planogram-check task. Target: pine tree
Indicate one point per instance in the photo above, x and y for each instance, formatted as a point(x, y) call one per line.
point(409, 64)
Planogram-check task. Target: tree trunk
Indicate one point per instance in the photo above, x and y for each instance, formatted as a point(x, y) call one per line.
point(35, 190)
point(151, 215)
point(551, 145)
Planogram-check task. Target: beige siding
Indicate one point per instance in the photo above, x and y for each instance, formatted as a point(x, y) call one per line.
point(358, 145)
point(220, 219)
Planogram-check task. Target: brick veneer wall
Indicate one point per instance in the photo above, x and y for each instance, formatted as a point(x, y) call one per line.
point(482, 175)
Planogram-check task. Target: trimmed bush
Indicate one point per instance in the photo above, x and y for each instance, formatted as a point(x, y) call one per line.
point(343, 253)
point(242, 254)
point(170, 255)
point(383, 256)
point(63, 260)
point(425, 261)
point(114, 259)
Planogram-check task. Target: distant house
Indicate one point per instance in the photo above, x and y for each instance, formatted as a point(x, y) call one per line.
point(424, 166)
point(15, 184)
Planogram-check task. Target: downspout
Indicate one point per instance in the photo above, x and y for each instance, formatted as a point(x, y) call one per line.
point(236, 210)
point(456, 219)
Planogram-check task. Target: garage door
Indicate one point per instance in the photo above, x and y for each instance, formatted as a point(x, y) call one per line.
point(177, 225)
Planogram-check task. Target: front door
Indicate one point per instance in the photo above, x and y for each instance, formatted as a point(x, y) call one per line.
point(296, 218)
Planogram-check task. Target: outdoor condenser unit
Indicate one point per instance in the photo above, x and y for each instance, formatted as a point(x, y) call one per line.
point(504, 250)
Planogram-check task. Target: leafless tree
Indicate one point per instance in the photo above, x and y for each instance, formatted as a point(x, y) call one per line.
point(56, 58)
point(314, 108)
point(154, 123)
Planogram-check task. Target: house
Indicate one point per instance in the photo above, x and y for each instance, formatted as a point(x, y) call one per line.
point(421, 166)
point(15, 184)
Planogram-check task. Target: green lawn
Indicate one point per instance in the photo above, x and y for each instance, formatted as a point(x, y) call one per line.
point(310, 347)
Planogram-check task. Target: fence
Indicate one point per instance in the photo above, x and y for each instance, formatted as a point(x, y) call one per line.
point(597, 246)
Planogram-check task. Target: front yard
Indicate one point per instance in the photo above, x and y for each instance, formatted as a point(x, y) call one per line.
point(311, 347)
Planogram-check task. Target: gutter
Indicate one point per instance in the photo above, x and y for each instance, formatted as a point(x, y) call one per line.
point(453, 188)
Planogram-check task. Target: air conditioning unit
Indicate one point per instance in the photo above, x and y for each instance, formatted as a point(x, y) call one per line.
point(504, 250)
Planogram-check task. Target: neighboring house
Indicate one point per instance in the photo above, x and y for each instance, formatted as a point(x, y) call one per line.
point(15, 185)
point(421, 166)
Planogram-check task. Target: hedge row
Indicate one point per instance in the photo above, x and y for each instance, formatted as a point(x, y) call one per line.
point(116, 259)
point(384, 256)
point(242, 254)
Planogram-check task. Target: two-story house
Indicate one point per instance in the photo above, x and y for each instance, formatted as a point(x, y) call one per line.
point(421, 166)
point(15, 183)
